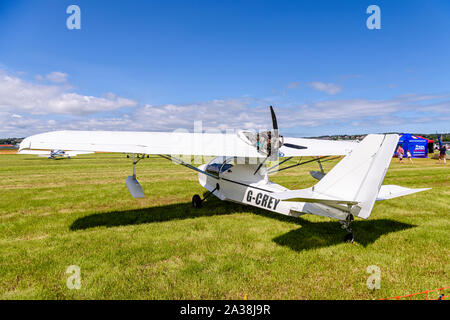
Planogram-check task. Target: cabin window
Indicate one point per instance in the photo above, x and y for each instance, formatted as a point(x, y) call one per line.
point(218, 165)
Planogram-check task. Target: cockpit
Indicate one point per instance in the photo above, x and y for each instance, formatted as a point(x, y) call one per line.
point(219, 165)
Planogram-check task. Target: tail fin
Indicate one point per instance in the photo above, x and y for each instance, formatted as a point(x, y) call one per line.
point(358, 177)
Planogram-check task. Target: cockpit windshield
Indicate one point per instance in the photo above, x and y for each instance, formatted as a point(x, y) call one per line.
point(219, 165)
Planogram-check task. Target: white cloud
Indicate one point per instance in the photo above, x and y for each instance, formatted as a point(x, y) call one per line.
point(56, 77)
point(254, 114)
point(329, 88)
point(20, 95)
point(293, 85)
point(28, 108)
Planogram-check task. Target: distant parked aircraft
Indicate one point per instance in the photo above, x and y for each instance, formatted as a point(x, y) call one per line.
point(54, 154)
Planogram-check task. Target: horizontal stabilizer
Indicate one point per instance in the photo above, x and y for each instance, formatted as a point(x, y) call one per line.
point(308, 195)
point(393, 191)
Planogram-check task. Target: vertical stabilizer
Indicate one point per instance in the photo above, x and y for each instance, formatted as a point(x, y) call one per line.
point(359, 175)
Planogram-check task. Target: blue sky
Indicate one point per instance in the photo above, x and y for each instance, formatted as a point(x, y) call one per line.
point(161, 65)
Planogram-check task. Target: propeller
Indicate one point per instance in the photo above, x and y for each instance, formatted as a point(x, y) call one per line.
point(275, 142)
point(276, 134)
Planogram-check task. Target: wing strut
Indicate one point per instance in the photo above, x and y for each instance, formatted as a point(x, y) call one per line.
point(294, 165)
point(179, 161)
point(320, 165)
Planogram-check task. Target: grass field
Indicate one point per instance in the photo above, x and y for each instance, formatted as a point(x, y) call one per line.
point(54, 214)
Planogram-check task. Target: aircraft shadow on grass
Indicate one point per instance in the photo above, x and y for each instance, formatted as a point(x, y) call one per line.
point(313, 235)
point(310, 235)
point(178, 211)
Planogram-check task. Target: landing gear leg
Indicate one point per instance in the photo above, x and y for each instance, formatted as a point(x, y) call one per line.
point(346, 225)
point(197, 201)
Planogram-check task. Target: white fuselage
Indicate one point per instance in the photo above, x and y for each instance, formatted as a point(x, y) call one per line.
point(238, 183)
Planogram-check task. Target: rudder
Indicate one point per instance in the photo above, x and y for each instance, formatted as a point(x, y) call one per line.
point(359, 175)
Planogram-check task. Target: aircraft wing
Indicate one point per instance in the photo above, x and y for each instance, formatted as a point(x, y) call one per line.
point(317, 147)
point(174, 143)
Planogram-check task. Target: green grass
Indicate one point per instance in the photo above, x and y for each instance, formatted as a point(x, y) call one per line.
point(54, 214)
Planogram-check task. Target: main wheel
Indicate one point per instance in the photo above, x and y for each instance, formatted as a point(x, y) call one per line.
point(349, 238)
point(196, 201)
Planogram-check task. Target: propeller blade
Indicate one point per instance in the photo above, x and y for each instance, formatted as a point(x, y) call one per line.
point(275, 139)
point(274, 119)
point(294, 146)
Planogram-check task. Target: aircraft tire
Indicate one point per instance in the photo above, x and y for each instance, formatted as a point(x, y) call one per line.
point(349, 238)
point(196, 201)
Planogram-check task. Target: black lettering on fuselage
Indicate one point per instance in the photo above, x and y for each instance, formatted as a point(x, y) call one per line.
point(269, 204)
point(277, 201)
point(258, 198)
point(263, 200)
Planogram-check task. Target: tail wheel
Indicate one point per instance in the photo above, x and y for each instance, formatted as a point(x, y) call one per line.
point(196, 201)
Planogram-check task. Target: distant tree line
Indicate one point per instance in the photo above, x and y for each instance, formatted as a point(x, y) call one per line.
point(12, 141)
point(445, 136)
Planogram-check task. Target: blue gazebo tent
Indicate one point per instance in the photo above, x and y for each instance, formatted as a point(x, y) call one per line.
point(418, 146)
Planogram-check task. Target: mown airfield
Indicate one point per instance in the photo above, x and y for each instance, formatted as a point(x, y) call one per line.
point(58, 213)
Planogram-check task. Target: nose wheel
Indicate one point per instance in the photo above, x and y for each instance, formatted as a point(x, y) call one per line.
point(196, 201)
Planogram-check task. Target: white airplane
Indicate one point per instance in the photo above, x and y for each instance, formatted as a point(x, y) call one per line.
point(54, 154)
point(239, 171)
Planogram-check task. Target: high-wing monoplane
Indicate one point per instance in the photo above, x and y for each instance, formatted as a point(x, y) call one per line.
point(243, 162)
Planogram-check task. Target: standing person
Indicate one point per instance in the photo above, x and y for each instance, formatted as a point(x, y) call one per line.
point(408, 154)
point(442, 154)
point(400, 153)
